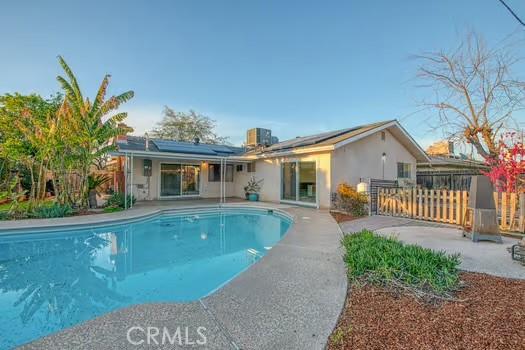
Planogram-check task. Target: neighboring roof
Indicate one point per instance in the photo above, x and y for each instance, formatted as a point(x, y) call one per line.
point(138, 144)
point(454, 162)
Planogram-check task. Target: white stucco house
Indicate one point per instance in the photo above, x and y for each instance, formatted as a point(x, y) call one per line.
point(304, 170)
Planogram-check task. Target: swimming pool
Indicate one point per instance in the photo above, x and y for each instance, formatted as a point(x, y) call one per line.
point(54, 280)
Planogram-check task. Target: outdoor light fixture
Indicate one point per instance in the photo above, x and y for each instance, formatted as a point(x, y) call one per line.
point(383, 159)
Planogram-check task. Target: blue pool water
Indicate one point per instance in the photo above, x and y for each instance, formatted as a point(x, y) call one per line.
point(51, 281)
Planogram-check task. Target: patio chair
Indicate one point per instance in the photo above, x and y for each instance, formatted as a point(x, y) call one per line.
point(518, 251)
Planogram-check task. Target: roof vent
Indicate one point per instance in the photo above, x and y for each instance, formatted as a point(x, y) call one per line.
point(196, 141)
point(147, 141)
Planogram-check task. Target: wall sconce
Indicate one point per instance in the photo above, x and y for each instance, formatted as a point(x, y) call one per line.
point(383, 159)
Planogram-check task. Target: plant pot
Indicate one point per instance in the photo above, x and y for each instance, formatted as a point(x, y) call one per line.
point(247, 195)
point(254, 197)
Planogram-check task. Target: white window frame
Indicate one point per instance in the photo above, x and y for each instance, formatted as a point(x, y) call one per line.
point(180, 195)
point(298, 202)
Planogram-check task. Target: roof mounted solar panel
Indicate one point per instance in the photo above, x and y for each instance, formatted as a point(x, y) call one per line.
point(179, 147)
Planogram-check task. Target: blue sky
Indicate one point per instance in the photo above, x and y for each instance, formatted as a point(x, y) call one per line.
point(297, 67)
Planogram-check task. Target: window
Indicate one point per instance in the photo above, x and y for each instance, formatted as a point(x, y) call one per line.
point(251, 167)
point(214, 173)
point(179, 179)
point(298, 181)
point(239, 168)
point(403, 170)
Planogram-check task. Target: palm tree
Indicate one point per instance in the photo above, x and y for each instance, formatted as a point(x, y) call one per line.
point(90, 125)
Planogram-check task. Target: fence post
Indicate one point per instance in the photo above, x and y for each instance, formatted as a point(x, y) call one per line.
point(419, 202)
point(445, 212)
point(503, 210)
point(464, 207)
point(512, 218)
point(414, 203)
point(451, 208)
point(432, 214)
point(425, 204)
point(438, 205)
point(458, 207)
point(521, 224)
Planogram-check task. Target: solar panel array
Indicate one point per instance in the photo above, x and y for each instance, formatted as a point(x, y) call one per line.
point(192, 148)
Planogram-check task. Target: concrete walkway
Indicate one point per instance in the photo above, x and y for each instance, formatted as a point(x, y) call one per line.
point(485, 257)
point(290, 299)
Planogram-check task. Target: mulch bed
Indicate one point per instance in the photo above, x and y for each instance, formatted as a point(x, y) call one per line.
point(342, 217)
point(489, 315)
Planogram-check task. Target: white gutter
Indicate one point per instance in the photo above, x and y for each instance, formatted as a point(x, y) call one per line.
point(152, 154)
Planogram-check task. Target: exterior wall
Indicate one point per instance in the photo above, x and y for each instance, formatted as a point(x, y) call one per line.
point(270, 171)
point(148, 188)
point(362, 160)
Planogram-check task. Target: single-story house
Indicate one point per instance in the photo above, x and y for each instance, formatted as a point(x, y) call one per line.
point(304, 170)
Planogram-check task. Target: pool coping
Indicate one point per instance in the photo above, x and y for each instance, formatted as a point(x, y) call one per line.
point(111, 219)
point(291, 298)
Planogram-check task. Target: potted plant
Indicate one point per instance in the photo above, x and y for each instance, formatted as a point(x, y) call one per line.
point(252, 189)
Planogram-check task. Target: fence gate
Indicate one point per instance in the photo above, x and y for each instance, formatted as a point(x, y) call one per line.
point(373, 189)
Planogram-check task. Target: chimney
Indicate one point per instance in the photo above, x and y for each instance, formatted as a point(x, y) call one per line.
point(196, 141)
point(147, 141)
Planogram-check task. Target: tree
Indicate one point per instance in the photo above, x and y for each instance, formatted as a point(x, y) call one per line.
point(25, 144)
point(89, 126)
point(507, 170)
point(476, 92)
point(180, 126)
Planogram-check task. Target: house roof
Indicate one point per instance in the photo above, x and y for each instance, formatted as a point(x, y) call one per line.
point(323, 141)
point(138, 144)
point(339, 138)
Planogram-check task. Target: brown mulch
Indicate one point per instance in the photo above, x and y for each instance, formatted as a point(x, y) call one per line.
point(342, 217)
point(489, 315)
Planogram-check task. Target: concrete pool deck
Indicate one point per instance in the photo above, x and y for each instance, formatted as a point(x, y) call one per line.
point(485, 257)
point(290, 299)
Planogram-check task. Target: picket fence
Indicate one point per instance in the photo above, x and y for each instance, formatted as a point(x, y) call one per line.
point(448, 206)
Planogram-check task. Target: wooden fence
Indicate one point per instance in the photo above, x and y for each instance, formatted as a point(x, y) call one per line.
point(448, 206)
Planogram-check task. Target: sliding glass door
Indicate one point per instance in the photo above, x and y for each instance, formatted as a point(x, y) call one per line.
point(179, 180)
point(289, 182)
point(299, 182)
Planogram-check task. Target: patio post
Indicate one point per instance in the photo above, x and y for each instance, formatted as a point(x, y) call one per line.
point(125, 181)
point(224, 183)
point(131, 182)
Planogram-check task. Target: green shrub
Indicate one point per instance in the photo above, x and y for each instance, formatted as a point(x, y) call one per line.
point(386, 260)
point(112, 209)
point(55, 210)
point(117, 200)
point(351, 201)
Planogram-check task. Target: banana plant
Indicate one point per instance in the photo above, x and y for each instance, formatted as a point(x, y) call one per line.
point(91, 125)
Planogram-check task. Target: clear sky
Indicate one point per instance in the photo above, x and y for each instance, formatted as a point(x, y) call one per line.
point(296, 67)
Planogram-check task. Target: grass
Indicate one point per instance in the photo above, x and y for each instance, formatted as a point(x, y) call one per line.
point(387, 261)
